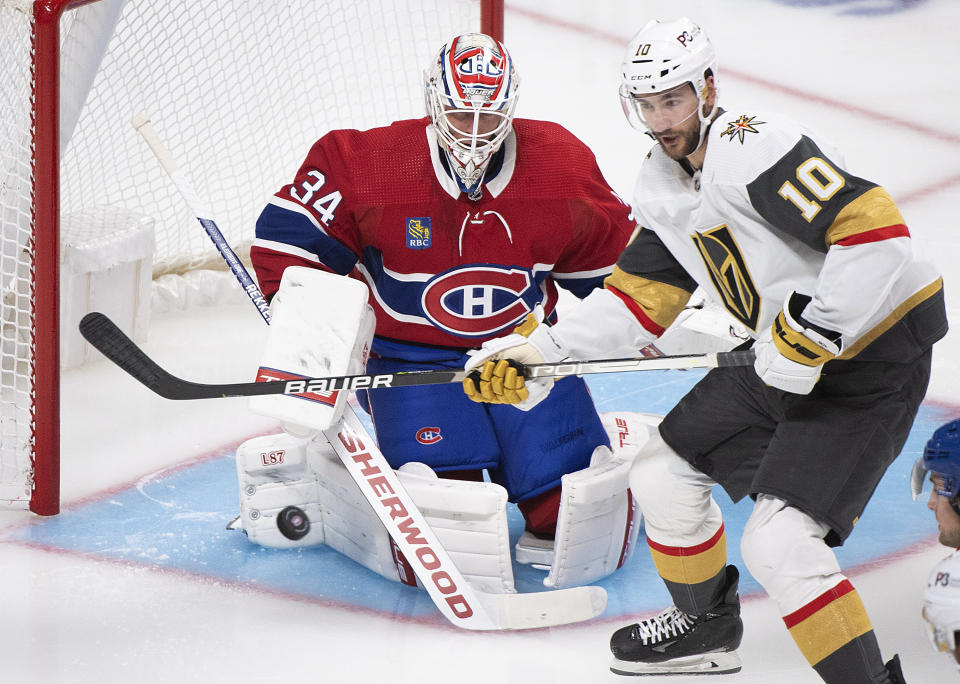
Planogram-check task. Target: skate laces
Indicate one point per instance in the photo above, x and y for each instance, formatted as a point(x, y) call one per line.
point(670, 623)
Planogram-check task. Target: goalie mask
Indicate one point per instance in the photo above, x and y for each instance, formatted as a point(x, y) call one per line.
point(942, 458)
point(662, 56)
point(471, 90)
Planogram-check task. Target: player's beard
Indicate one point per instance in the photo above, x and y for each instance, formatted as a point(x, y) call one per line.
point(689, 140)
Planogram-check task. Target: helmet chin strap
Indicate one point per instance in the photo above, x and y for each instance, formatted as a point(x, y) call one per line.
point(705, 121)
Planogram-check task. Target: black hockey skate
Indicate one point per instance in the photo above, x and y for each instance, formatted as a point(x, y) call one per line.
point(676, 643)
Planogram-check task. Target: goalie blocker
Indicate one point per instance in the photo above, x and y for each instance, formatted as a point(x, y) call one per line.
point(295, 492)
point(321, 324)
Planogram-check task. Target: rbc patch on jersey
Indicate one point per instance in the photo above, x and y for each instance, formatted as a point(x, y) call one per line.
point(418, 232)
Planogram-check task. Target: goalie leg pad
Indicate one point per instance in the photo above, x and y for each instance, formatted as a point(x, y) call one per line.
point(274, 474)
point(598, 522)
point(629, 431)
point(349, 524)
point(469, 518)
point(321, 326)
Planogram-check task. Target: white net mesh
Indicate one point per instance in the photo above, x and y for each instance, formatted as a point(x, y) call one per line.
point(16, 330)
point(237, 89)
point(239, 106)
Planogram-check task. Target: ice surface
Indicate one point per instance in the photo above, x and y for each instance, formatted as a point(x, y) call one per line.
point(138, 582)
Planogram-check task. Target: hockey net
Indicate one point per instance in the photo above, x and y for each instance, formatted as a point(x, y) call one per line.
point(239, 90)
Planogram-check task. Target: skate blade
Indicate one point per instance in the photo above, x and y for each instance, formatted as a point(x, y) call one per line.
point(725, 662)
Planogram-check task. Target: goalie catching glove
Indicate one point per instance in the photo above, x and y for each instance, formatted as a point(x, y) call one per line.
point(496, 369)
point(791, 354)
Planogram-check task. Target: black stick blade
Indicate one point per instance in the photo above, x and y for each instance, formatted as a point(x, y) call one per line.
point(113, 343)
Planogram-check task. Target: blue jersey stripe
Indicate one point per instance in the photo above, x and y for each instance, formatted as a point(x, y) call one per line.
point(282, 225)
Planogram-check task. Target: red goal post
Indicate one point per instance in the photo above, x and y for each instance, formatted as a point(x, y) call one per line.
point(240, 88)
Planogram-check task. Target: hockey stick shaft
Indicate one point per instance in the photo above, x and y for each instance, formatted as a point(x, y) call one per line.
point(105, 336)
point(141, 122)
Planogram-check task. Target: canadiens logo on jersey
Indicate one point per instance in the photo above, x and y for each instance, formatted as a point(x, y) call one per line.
point(429, 435)
point(418, 232)
point(477, 300)
point(728, 271)
point(739, 128)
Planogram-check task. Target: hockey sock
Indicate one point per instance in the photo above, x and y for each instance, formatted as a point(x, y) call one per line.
point(836, 637)
point(695, 575)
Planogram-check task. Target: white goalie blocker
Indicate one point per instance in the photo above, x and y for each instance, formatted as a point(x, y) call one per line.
point(321, 325)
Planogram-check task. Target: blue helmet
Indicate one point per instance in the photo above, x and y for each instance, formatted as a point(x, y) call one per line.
point(940, 457)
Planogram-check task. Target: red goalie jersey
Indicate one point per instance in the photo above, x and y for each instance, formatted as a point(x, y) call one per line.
point(445, 271)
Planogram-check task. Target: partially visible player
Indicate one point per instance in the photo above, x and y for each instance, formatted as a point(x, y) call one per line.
point(941, 599)
point(462, 224)
point(845, 306)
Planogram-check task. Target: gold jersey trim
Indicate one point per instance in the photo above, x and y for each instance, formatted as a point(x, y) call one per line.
point(895, 316)
point(871, 210)
point(662, 303)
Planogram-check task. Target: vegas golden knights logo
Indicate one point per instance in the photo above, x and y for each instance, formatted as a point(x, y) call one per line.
point(729, 274)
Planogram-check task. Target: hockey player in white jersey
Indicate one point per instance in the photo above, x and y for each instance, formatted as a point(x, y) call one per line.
point(844, 307)
point(941, 598)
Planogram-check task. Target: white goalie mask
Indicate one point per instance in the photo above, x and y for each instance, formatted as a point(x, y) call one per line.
point(471, 90)
point(663, 56)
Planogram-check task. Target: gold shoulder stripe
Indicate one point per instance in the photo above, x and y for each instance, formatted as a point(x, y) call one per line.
point(661, 302)
point(873, 209)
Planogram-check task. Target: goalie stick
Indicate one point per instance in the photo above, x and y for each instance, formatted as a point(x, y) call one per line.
point(104, 335)
point(141, 122)
point(458, 601)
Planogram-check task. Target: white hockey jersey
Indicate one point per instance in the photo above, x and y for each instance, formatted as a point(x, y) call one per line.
point(773, 210)
point(941, 603)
